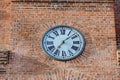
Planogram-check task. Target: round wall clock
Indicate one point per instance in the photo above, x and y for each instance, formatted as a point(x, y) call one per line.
point(63, 42)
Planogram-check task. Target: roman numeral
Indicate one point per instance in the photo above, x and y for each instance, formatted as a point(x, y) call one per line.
point(49, 42)
point(70, 53)
point(57, 52)
point(62, 31)
point(63, 53)
point(74, 48)
point(76, 42)
point(69, 32)
point(75, 36)
point(51, 37)
point(51, 48)
point(56, 33)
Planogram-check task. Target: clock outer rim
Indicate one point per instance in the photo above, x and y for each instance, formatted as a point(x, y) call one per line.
point(80, 52)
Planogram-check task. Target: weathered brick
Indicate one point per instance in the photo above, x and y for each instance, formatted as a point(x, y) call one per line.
point(22, 28)
point(4, 15)
point(4, 4)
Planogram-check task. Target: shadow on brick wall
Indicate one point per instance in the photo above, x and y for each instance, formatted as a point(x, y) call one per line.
point(117, 22)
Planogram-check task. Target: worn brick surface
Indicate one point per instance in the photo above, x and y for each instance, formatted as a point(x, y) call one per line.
point(117, 21)
point(5, 4)
point(5, 25)
point(4, 32)
point(30, 20)
point(63, 0)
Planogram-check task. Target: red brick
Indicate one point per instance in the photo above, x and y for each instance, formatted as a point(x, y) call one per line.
point(25, 24)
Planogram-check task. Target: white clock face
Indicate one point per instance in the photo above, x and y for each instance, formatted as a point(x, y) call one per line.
point(63, 43)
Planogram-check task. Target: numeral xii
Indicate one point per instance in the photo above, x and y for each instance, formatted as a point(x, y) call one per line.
point(62, 31)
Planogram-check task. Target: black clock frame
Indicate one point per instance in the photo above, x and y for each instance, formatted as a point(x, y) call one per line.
point(80, 53)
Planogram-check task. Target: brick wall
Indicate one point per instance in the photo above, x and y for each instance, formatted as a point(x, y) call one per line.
point(93, 1)
point(117, 20)
point(5, 23)
point(5, 26)
point(29, 22)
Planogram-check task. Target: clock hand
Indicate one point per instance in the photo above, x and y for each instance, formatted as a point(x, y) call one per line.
point(65, 40)
point(69, 37)
point(60, 44)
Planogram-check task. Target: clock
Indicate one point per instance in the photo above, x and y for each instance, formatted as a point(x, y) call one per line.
point(63, 42)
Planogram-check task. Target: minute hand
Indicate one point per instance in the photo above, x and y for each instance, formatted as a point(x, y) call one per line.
point(69, 37)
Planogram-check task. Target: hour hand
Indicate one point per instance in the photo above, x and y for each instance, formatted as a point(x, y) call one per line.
point(60, 44)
